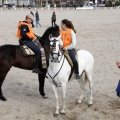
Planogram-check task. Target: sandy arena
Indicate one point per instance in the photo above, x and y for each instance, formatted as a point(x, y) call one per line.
point(98, 31)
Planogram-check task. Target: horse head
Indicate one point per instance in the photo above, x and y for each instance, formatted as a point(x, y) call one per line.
point(45, 39)
point(55, 48)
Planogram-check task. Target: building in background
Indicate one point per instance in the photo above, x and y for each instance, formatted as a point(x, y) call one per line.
point(45, 2)
point(1, 2)
point(35, 2)
point(18, 2)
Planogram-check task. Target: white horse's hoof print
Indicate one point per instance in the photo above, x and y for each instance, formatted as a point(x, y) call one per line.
point(55, 115)
point(90, 105)
point(62, 113)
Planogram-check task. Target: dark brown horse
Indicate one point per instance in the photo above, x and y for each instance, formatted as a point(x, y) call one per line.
point(11, 55)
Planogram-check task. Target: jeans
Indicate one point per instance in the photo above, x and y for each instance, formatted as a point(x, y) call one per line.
point(53, 22)
point(37, 23)
point(72, 55)
point(32, 24)
point(73, 58)
point(32, 46)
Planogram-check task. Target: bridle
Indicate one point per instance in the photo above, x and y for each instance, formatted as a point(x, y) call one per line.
point(60, 55)
point(53, 48)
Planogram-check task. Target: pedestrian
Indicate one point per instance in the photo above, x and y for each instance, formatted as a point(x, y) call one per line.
point(28, 6)
point(32, 21)
point(53, 19)
point(23, 5)
point(37, 19)
point(118, 86)
point(113, 3)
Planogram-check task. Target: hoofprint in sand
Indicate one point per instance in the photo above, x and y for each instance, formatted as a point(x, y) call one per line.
point(97, 32)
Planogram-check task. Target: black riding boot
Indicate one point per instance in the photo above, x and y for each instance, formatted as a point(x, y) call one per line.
point(76, 69)
point(36, 65)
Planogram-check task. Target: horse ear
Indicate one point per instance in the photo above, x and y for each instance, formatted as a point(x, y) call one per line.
point(50, 36)
point(56, 27)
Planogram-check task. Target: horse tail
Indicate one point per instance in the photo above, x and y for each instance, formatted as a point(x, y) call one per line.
point(85, 79)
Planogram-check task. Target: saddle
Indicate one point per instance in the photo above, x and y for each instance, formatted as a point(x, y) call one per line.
point(28, 52)
point(69, 59)
point(25, 50)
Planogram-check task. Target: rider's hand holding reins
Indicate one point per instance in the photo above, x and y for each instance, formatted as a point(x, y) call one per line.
point(37, 42)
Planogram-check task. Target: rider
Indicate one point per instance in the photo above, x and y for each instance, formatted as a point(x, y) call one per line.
point(25, 33)
point(69, 42)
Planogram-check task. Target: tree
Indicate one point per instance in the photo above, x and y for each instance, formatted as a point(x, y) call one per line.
point(2, 2)
point(46, 3)
point(41, 2)
point(17, 2)
point(60, 3)
point(53, 1)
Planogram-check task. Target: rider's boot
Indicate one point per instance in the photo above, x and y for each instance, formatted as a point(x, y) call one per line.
point(36, 65)
point(76, 69)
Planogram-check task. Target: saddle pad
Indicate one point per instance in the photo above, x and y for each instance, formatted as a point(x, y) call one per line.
point(68, 57)
point(26, 51)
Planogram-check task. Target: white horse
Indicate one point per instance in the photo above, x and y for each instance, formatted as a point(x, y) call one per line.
point(59, 72)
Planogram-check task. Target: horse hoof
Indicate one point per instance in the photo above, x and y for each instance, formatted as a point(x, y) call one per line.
point(90, 105)
point(55, 115)
point(62, 113)
point(3, 98)
point(78, 103)
point(45, 97)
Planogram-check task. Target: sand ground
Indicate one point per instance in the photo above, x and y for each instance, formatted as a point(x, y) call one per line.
point(98, 31)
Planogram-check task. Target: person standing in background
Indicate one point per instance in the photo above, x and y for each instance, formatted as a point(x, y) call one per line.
point(32, 21)
point(113, 3)
point(53, 19)
point(118, 86)
point(23, 5)
point(37, 19)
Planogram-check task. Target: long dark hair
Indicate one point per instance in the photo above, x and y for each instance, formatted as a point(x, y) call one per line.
point(69, 24)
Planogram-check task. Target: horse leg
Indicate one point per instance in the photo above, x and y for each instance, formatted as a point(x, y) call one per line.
point(63, 99)
point(57, 102)
point(1, 95)
point(81, 90)
point(41, 84)
point(89, 77)
point(2, 77)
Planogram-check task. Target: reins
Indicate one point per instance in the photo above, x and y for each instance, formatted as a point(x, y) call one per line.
point(40, 38)
point(57, 72)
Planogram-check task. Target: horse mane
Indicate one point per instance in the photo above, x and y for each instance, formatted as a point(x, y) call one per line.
point(46, 33)
point(49, 30)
